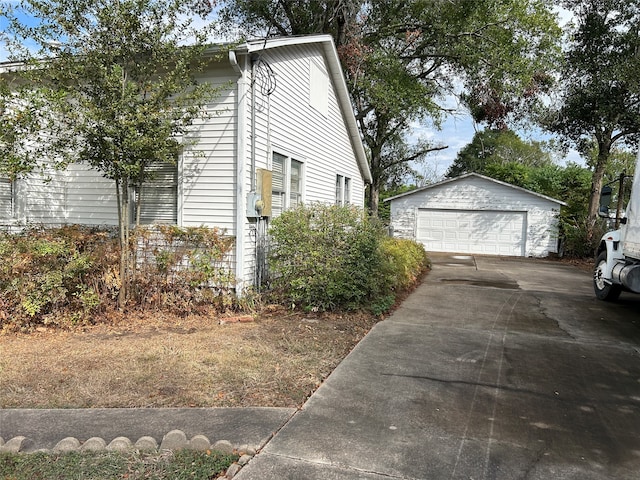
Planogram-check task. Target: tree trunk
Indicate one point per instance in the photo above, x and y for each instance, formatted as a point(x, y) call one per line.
point(376, 180)
point(604, 149)
point(123, 224)
point(373, 200)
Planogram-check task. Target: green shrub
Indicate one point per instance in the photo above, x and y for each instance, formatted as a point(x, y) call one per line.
point(575, 240)
point(404, 261)
point(326, 257)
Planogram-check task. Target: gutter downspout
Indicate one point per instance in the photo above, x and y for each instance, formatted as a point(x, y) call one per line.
point(241, 110)
point(253, 125)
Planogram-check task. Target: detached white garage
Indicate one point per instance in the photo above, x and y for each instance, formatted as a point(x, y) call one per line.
point(477, 214)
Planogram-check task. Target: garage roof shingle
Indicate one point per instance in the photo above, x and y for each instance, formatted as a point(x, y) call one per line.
point(473, 174)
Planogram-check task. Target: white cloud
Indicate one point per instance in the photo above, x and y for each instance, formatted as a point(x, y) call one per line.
point(573, 156)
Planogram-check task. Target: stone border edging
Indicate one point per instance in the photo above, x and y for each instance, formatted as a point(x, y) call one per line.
point(174, 440)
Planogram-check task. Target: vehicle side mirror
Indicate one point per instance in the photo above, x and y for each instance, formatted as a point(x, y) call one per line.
point(605, 201)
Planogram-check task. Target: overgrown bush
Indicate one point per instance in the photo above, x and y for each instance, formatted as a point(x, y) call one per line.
point(54, 276)
point(182, 268)
point(575, 242)
point(326, 257)
point(68, 276)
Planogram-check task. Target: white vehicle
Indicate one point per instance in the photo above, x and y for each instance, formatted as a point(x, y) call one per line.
point(617, 265)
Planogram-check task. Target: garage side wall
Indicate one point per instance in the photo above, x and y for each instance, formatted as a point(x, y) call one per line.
point(479, 194)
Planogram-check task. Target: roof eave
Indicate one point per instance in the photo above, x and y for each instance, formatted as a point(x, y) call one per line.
point(473, 174)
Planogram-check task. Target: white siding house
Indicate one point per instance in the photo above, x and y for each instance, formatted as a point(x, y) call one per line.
point(479, 215)
point(284, 110)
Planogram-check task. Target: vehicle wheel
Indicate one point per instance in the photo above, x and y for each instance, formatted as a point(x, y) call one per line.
point(604, 290)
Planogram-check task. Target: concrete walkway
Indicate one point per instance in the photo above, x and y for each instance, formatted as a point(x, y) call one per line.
point(493, 368)
point(43, 429)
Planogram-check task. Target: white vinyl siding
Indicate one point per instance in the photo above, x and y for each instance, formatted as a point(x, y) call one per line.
point(43, 200)
point(6, 199)
point(159, 195)
point(90, 198)
point(287, 122)
point(207, 179)
point(474, 214)
point(86, 197)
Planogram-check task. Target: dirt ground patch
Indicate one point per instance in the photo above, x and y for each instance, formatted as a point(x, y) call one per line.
point(154, 360)
point(584, 264)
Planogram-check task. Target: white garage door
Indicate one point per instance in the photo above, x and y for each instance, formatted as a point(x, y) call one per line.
point(469, 231)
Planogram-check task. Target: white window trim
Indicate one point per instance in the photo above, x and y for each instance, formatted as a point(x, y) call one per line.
point(344, 195)
point(287, 175)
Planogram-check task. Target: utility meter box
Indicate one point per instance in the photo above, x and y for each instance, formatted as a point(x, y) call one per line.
point(254, 204)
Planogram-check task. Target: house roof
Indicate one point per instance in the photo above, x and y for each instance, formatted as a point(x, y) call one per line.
point(476, 175)
point(338, 80)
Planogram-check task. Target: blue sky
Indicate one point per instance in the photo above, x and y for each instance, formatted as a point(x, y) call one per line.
point(3, 26)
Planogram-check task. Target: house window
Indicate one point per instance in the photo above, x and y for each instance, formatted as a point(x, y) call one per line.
point(159, 195)
point(286, 183)
point(343, 190)
point(347, 191)
point(6, 199)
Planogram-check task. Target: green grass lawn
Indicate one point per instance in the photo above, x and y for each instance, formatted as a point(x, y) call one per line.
point(179, 465)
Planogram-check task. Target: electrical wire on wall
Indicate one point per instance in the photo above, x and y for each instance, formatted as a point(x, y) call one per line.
point(264, 77)
point(262, 254)
point(263, 84)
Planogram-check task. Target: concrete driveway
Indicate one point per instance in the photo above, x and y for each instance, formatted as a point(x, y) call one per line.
point(494, 368)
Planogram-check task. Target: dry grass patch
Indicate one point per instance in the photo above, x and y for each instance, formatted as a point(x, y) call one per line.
point(168, 361)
